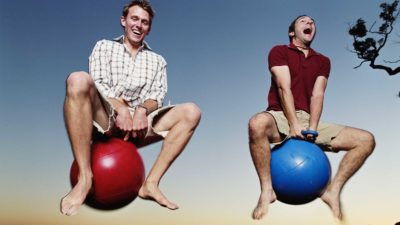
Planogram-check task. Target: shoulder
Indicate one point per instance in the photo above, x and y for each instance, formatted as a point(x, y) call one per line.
point(106, 44)
point(279, 48)
point(322, 57)
point(278, 55)
point(323, 62)
point(154, 56)
point(319, 54)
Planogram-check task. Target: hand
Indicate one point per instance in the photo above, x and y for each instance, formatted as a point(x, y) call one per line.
point(124, 121)
point(295, 131)
point(140, 124)
point(311, 135)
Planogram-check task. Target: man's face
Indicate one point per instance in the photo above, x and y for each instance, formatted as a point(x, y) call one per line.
point(304, 30)
point(136, 25)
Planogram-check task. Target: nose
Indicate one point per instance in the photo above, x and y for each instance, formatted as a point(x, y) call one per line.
point(138, 24)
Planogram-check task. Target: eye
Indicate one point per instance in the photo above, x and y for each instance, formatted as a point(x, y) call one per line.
point(145, 22)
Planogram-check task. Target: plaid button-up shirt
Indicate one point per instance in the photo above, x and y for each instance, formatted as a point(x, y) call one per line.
point(118, 74)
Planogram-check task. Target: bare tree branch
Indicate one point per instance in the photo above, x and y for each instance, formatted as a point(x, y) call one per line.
point(368, 48)
point(360, 64)
point(388, 70)
point(386, 61)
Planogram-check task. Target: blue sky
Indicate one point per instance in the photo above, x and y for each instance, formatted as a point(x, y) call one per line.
point(216, 52)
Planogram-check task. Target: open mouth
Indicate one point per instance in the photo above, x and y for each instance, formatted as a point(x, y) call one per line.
point(307, 31)
point(137, 32)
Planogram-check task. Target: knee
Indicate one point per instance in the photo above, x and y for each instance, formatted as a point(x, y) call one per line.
point(259, 123)
point(79, 83)
point(191, 113)
point(367, 140)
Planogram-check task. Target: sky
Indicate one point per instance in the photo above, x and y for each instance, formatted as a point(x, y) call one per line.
point(217, 58)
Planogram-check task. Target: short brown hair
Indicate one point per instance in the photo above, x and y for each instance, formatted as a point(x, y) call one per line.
point(144, 4)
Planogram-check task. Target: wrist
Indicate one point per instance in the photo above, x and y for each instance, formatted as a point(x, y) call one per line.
point(314, 128)
point(142, 108)
point(121, 109)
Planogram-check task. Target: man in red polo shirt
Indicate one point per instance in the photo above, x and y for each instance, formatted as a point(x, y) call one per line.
point(295, 100)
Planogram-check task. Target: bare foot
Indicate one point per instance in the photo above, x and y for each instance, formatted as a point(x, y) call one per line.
point(261, 209)
point(74, 199)
point(150, 191)
point(333, 201)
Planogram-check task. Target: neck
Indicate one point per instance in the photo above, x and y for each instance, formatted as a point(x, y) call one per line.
point(132, 47)
point(300, 45)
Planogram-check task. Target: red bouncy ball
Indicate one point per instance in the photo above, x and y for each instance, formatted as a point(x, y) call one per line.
point(118, 174)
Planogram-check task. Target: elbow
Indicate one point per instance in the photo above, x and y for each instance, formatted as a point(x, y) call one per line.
point(317, 97)
point(284, 89)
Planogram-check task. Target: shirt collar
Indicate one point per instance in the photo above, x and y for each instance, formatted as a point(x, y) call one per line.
point(120, 40)
point(310, 53)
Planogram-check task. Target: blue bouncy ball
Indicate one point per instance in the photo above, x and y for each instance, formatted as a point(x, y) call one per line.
point(300, 171)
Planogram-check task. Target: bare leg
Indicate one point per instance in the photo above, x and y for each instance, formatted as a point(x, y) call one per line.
point(359, 144)
point(181, 121)
point(262, 130)
point(79, 105)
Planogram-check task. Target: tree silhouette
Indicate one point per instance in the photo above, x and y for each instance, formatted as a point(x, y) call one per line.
point(368, 48)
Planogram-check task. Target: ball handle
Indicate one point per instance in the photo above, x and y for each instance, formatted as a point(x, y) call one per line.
point(313, 133)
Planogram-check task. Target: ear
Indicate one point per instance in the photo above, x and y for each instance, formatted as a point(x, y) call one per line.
point(291, 34)
point(123, 21)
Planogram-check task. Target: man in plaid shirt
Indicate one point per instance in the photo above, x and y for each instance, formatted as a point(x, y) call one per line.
point(123, 96)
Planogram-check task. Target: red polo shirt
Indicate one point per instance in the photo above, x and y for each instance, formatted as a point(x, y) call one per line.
point(303, 73)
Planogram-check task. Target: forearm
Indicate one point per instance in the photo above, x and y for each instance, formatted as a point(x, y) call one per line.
point(281, 76)
point(287, 101)
point(118, 104)
point(149, 105)
point(316, 107)
point(317, 100)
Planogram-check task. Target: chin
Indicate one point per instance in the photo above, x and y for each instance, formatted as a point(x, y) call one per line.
point(136, 40)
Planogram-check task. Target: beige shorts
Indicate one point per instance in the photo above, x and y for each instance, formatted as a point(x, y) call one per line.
point(326, 131)
point(150, 119)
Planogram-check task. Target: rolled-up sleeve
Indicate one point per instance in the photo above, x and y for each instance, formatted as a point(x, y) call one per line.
point(159, 87)
point(99, 68)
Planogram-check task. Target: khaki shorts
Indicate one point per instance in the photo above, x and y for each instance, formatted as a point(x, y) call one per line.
point(150, 119)
point(326, 131)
